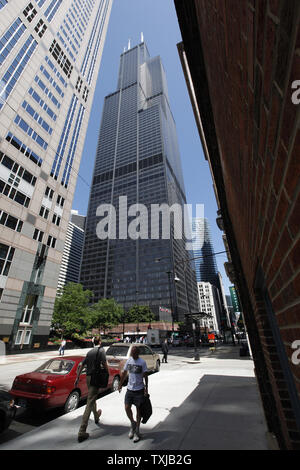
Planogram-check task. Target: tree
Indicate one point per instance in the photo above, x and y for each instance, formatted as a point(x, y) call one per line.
point(72, 315)
point(139, 314)
point(106, 313)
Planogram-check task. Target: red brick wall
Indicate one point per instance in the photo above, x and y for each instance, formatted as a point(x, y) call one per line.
point(251, 55)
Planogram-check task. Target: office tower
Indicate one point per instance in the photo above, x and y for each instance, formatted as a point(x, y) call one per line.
point(209, 305)
point(50, 53)
point(206, 268)
point(138, 161)
point(71, 259)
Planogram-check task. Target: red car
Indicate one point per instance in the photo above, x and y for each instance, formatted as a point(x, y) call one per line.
point(52, 385)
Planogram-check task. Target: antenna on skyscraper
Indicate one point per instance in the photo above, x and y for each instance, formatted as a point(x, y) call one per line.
point(128, 44)
point(142, 37)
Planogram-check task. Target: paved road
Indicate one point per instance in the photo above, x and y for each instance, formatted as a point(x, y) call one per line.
point(211, 404)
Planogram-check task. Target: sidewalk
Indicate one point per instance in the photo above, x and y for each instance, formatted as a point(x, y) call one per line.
point(213, 404)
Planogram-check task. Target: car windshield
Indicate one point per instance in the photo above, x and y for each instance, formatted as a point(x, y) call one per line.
point(56, 366)
point(117, 351)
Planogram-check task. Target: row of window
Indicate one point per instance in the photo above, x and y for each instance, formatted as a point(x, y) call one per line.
point(16, 68)
point(44, 212)
point(52, 81)
point(13, 194)
point(29, 109)
point(52, 9)
point(91, 40)
point(96, 48)
point(64, 138)
point(18, 144)
point(10, 38)
point(41, 28)
point(59, 76)
point(42, 104)
point(2, 4)
point(17, 169)
point(30, 12)
point(47, 92)
point(73, 146)
point(11, 222)
point(29, 131)
point(38, 235)
point(61, 58)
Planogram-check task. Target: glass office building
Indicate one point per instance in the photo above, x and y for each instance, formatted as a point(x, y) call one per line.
point(138, 161)
point(50, 53)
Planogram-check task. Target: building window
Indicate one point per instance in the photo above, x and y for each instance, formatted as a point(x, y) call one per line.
point(56, 219)
point(51, 241)
point(41, 28)
point(38, 235)
point(30, 12)
point(15, 70)
point(18, 144)
point(23, 337)
point(27, 314)
point(29, 131)
point(13, 194)
point(61, 58)
point(6, 256)
point(10, 39)
point(10, 221)
point(44, 212)
point(49, 193)
point(60, 201)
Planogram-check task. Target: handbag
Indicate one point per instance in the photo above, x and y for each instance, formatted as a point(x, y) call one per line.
point(99, 375)
point(146, 409)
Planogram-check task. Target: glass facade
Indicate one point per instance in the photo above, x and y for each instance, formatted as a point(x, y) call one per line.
point(137, 157)
point(43, 118)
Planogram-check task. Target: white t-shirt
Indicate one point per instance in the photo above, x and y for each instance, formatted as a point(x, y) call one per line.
point(136, 369)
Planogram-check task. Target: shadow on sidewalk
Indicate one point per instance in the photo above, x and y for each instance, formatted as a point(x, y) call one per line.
point(222, 412)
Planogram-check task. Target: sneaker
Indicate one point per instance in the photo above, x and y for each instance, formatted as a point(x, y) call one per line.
point(132, 430)
point(82, 437)
point(99, 412)
point(136, 437)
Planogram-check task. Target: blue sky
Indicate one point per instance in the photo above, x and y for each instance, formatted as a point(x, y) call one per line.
point(158, 21)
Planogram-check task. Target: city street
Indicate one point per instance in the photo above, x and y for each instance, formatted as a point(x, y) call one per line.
point(210, 404)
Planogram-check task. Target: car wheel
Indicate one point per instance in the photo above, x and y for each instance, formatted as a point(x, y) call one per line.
point(115, 383)
point(157, 367)
point(72, 402)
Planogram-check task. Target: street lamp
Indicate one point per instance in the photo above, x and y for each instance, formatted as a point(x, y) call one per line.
point(176, 279)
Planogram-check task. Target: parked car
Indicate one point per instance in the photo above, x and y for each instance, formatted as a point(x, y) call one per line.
point(118, 353)
point(7, 410)
point(177, 342)
point(52, 385)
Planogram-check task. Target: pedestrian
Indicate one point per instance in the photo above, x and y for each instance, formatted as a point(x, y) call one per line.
point(94, 354)
point(62, 347)
point(137, 389)
point(165, 350)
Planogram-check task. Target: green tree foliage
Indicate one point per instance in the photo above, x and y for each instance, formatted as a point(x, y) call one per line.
point(72, 316)
point(106, 313)
point(139, 314)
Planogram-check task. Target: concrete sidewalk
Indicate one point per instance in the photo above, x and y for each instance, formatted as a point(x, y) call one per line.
point(213, 404)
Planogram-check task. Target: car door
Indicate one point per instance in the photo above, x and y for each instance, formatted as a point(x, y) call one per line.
point(82, 381)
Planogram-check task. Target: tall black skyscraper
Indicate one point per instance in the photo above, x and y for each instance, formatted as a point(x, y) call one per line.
point(138, 159)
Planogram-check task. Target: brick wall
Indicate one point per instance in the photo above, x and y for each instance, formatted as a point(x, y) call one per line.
point(251, 52)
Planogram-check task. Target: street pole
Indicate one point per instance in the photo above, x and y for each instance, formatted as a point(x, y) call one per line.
point(171, 301)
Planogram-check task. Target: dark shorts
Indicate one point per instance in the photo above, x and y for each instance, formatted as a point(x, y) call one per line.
point(134, 397)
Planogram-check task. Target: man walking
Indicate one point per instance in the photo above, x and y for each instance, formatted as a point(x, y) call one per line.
point(62, 347)
point(136, 369)
point(95, 358)
point(165, 350)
